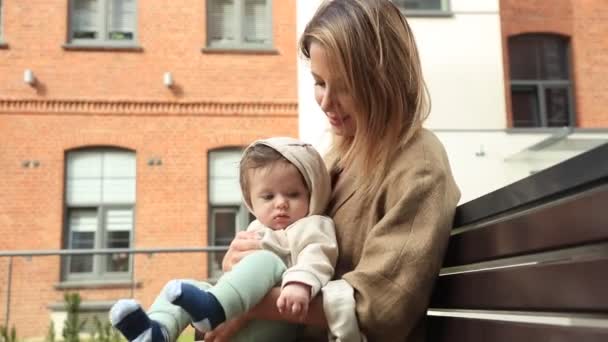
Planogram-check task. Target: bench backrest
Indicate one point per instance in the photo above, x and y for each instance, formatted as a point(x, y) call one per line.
point(529, 262)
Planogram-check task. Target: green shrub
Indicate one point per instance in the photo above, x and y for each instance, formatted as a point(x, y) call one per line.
point(73, 325)
point(50, 335)
point(104, 332)
point(6, 335)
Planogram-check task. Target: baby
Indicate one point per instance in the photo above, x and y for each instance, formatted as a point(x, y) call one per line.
point(285, 184)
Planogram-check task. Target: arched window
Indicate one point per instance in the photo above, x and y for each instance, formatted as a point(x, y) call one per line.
point(227, 213)
point(100, 197)
point(541, 90)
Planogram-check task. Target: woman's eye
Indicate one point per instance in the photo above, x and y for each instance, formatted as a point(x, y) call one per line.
point(320, 83)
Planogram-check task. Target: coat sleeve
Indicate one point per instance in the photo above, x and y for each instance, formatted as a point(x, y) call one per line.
point(403, 251)
point(314, 252)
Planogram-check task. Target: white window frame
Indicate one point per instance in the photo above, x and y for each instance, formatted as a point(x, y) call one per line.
point(102, 26)
point(445, 10)
point(99, 272)
point(238, 22)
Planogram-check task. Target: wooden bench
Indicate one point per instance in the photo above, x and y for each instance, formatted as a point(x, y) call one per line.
point(529, 262)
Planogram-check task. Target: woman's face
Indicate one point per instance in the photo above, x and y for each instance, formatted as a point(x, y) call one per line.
point(331, 93)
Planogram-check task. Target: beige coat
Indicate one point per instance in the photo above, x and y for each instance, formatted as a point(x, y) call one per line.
point(391, 244)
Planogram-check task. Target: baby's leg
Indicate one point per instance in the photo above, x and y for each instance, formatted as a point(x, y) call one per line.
point(235, 293)
point(171, 316)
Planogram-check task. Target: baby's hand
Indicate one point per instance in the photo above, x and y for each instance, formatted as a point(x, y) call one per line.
point(293, 300)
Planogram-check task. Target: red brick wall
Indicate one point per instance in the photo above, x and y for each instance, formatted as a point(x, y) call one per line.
point(584, 22)
point(111, 98)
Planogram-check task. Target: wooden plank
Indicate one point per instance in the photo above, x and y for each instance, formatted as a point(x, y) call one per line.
point(580, 220)
point(568, 286)
point(447, 329)
point(569, 176)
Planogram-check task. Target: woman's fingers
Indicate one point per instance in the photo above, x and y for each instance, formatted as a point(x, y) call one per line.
point(244, 243)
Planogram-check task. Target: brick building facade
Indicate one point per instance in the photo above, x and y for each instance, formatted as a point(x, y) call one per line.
point(572, 38)
point(96, 96)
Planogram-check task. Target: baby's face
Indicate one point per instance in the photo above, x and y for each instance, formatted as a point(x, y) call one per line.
point(279, 196)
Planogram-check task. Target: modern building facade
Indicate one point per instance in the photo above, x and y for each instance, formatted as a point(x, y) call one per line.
point(121, 126)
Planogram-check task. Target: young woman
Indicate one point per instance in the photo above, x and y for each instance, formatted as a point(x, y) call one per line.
point(393, 194)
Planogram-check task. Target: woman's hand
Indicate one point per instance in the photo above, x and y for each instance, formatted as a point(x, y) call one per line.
point(225, 331)
point(244, 243)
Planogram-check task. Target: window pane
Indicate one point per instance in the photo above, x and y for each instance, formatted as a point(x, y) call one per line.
point(121, 19)
point(554, 62)
point(83, 191)
point(420, 4)
point(221, 18)
point(558, 107)
point(84, 164)
point(256, 22)
point(83, 178)
point(538, 57)
point(118, 226)
point(224, 227)
point(118, 262)
point(84, 19)
point(118, 191)
point(525, 106)
point(523, 58)
point(224, 186)
point(118, 164)
point(82, 226)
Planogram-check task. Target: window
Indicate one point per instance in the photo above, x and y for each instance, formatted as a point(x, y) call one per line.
point(423, 6)
point(100, 197)
point(541, 91)
point(102, 22)
point(227, 213)
point(239, 24)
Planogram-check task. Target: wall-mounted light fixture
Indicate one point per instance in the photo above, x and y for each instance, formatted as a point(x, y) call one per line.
point(28, 77)
point(168, 79)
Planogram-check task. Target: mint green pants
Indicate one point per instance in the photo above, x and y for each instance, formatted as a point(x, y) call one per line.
point(237, 291)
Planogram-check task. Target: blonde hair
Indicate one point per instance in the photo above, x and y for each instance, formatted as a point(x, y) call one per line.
point(370, 44)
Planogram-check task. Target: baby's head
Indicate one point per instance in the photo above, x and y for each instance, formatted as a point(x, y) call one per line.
point(277, 179)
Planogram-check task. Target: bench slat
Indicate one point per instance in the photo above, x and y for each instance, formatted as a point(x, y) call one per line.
point(442, 329)
point(568, 286)
point(580, 219)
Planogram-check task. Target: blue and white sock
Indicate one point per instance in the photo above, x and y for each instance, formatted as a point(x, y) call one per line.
point(202, 306)
point(128, 317)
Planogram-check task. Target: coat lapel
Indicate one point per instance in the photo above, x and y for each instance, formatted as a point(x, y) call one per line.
point(344, 189)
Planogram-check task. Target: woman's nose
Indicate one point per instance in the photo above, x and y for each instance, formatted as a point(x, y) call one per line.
point(327, 102)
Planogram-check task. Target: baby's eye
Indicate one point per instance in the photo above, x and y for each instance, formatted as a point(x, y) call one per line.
point(293, 194)
point(267, 197)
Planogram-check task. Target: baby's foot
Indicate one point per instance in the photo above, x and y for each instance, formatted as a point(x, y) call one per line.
point(204, 309)
point(128, 317)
